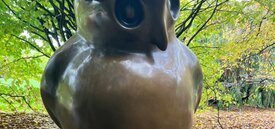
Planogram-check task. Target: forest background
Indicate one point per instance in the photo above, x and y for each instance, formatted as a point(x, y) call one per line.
point(233, 39)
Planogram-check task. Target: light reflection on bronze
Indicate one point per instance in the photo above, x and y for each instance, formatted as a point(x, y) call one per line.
point(109, 76)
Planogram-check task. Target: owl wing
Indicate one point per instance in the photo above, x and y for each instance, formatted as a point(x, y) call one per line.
point(55, 69)
point(197, 74)
point(198, 83)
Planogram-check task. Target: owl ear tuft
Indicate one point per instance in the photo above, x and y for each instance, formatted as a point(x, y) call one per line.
point(174, 6)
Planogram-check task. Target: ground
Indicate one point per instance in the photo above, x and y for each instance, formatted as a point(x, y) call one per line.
point(247, 118)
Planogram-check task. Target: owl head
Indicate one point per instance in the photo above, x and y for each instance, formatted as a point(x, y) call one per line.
point(127, 24)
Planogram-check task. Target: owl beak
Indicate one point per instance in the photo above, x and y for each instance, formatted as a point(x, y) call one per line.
point(160, 34)
point(160, 37)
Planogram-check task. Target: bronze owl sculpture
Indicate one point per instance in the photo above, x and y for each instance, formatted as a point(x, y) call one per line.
point(123, 69)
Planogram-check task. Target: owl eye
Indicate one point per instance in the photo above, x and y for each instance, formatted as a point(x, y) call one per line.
point(129, 13)
point(174, 6)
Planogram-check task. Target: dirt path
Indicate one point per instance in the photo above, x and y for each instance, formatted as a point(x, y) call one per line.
point(248, 118)
point(26, 121)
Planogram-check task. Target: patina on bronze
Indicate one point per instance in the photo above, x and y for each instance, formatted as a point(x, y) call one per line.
point(124, 69)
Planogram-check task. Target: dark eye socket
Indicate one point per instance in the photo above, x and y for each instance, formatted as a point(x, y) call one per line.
point(174, 6)
point(129, 13)
point(93, 0)
point(90, 1)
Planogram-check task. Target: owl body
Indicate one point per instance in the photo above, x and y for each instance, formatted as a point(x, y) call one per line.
point(122, 82)
point(98, 89)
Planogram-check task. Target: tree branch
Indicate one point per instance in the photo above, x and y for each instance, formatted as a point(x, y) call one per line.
point(33, 46)
point(201, 28)
point(22, 58)
point(18, 96)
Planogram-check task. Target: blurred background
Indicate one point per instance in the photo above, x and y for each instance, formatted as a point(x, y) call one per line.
point(234, 41)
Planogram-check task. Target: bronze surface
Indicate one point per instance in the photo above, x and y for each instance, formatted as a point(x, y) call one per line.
point(113, 76)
